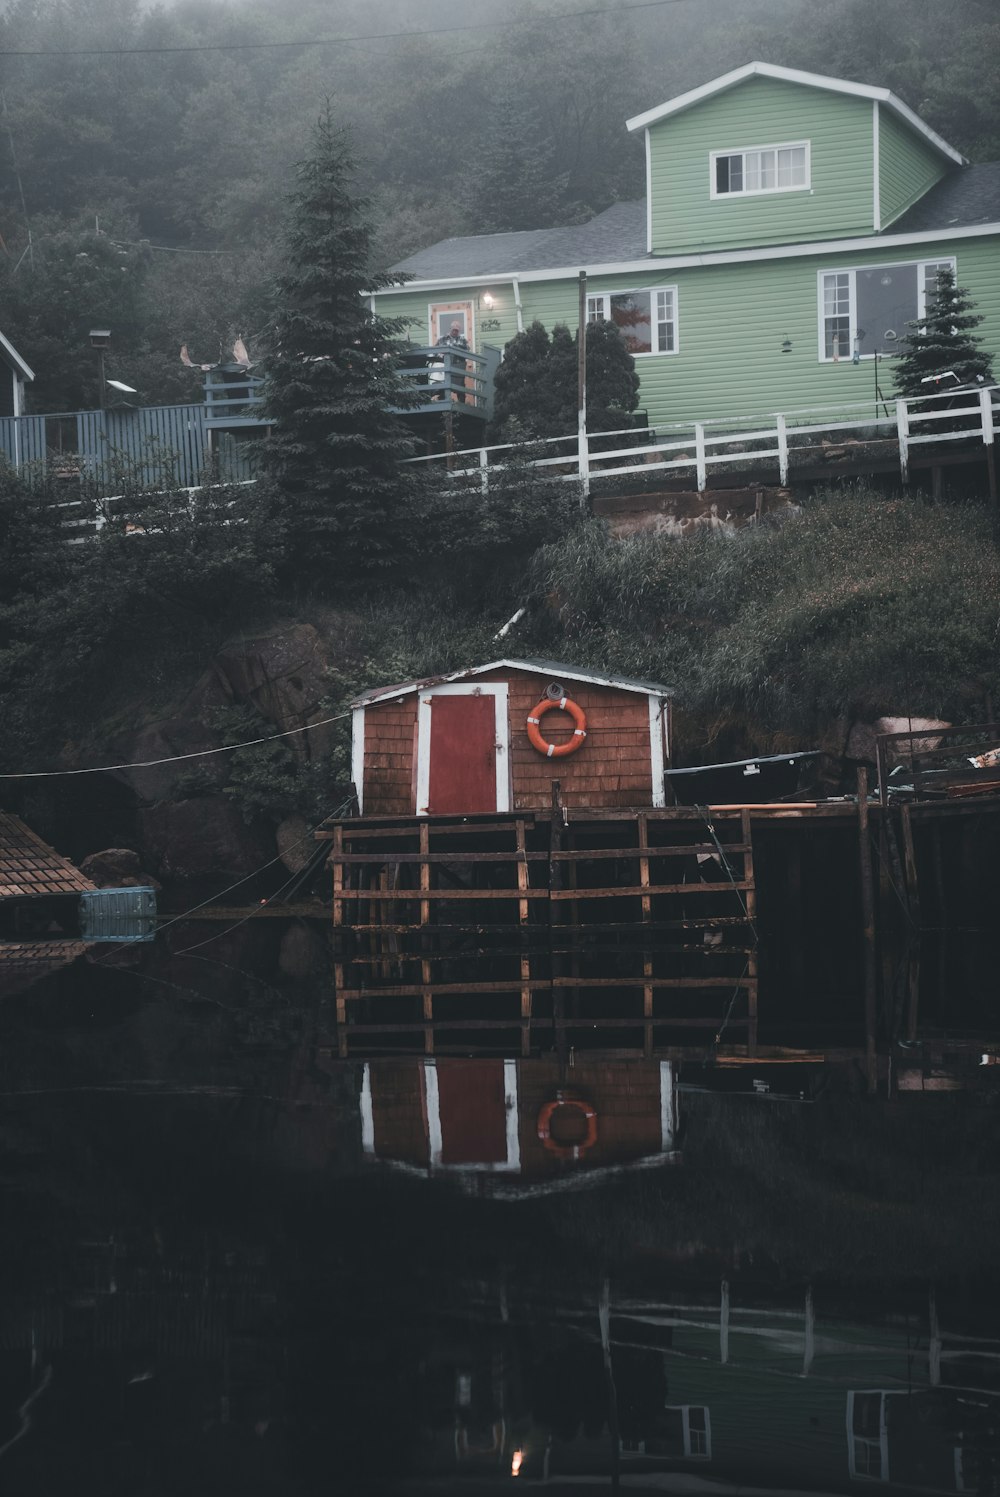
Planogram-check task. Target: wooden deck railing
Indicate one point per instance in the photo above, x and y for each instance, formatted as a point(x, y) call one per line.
point(446, 377)
point(784, 438)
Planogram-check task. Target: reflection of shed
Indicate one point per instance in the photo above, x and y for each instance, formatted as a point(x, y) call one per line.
point(472, 1119)
point(459, 743)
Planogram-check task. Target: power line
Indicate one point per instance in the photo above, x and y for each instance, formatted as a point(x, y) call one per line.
point(228, 748)
point(341, 41)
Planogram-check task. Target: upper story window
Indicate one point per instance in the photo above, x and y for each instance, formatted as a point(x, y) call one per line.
point(867, 311)
point(647, 320)
point(783, 168)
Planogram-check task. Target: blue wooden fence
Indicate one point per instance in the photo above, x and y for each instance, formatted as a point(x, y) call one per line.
point(154, 446)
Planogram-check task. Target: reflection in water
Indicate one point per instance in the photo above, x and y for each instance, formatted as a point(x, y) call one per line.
point(236, 1264)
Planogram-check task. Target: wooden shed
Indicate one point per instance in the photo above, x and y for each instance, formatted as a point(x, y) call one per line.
point(460, 744)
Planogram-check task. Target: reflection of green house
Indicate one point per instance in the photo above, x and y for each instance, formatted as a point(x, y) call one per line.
point(790, 222)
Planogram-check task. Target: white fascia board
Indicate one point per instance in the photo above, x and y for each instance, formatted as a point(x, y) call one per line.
point(649, 194)
point(15, 358)
point(798, 251)
point(398, 692)
point(793, 75)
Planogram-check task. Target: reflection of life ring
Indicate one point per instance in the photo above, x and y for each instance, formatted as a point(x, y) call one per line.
point(552, 750)
point(567, 1151)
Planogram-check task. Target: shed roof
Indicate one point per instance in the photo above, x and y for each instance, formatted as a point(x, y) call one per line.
point(808, 80)
point(28, 866)
point(552, 668)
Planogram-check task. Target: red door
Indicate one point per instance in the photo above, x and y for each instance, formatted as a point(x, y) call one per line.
point(462, 773)
point(473, 1112)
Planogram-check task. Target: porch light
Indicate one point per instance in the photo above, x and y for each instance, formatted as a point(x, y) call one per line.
point(516, 1462)
point(487, 300)
point(786, 346)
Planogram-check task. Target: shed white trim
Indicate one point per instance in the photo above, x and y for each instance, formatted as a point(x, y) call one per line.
point(793, 75)
point(495, 689)
point(435, 1133)
point(657, 735)
point(13, 357)
point(358, 755)
point(550, 668)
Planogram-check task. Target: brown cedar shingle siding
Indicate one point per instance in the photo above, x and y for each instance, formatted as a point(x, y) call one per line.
point(611, 769)
point(29, 866)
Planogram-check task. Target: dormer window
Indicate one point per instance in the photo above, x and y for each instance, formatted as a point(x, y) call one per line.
point(783, 168)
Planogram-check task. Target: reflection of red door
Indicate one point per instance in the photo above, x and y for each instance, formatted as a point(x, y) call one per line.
point(473, 1112)
point(463, 754)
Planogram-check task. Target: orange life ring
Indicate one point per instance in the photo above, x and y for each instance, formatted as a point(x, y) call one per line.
point(567, 1151)
point(553, 750)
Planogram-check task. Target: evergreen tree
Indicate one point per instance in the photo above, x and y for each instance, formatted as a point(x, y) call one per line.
point(332, 380)
point(536, 385)
point(941, 341)
point(514, 184)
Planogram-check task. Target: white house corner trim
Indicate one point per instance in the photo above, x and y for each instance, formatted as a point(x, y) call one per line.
point(649, 194)
point(657, 758)
point(358, 756)
point(876, 169)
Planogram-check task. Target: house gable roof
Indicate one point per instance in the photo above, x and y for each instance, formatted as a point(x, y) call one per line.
point(808, 80)
point(552, 668)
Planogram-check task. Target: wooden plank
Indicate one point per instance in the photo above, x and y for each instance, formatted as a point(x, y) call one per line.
point(425, 920)
point(913, 910)
point(524, 909)
point(426, 895)
point(470, 855)
point(647, 961)
point(652, 851)
point(338, 968)
point(637, 891)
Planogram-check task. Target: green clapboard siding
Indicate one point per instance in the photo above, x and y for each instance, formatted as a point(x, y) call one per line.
point(495, 325)
point(762, 112)
point(908, 166)
point(732, 321)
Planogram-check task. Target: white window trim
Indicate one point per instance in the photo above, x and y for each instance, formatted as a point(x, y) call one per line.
point(435, 1138)
point(358, 755)
point(883, 1441)
point(651, 292)
point(758, 192)
point(498, 691)
point(684, 1409)
point(852, 271)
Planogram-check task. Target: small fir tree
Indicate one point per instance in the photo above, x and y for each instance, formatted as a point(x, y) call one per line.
point(332, 380)
point(941, 341)
point(536, 385)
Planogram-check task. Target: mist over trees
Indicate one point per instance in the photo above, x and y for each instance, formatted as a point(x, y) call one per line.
point(145, 152)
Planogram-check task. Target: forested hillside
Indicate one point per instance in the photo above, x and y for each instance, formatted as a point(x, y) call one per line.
point(145, 152)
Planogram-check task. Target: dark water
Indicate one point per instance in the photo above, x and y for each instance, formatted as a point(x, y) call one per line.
point(236, 1264)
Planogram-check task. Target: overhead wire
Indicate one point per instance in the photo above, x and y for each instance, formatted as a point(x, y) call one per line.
point(505, 23)
point(226, 748)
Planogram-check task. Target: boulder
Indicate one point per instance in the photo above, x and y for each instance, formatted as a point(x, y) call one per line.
point(295, 846)
point(116, 868)
point(283, 674)
point(303, 952)
point(861, 739)
point(201, 838)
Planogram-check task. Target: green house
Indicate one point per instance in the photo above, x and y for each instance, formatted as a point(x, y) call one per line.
point(793, 225)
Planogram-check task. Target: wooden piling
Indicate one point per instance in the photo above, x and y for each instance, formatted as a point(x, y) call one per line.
point(868, 930)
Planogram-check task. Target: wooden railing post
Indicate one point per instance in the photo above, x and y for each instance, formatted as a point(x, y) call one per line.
point(986, 416)
point(484, 471)
point(699, 448)
point(583, 459)
point(782, 450)
point(903, 433)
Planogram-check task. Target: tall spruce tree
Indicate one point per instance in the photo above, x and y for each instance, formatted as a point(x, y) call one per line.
point(332, 381)
point(942, 341)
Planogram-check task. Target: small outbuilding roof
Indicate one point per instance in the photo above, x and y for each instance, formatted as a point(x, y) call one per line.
point(28, 866)
point(556, 669)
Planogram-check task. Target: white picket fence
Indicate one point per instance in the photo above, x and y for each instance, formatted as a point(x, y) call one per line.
point(956, 415)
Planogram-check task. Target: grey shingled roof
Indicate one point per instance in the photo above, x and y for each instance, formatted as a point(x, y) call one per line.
point(619, 233)
point(968, 196)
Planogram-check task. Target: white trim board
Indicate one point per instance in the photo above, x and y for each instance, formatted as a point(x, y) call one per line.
point(358, 755)
point(550, 668)
point(793, 75)
point(495, 689)
point(435, 1136)
point(658, 719)
point(801, 250)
